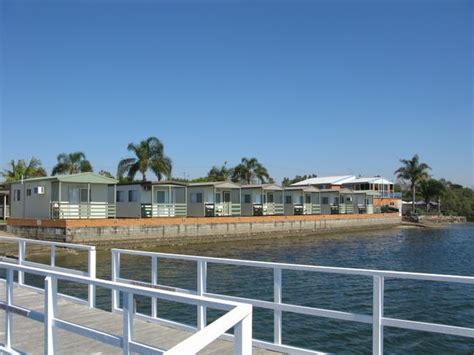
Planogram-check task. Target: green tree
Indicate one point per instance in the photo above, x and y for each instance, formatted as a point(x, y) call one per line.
point(248, 170)
point(222, 173)
point(22, 169)
point(106, 174)
point(431, 188)
point(72, 163)
point(414, 172)
point(149, 155)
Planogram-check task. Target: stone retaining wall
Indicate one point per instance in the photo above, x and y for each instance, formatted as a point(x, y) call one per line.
point(197, 230)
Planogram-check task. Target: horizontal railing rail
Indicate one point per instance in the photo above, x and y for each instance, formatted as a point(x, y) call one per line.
point(377, 319)
point(169, 210)
point(68, 210)
point(237, 316)
point(22, 244)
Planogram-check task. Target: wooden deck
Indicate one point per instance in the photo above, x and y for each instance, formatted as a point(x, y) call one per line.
point(28, 334)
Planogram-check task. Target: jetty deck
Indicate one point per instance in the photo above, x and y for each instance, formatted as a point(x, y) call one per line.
point(28, 335)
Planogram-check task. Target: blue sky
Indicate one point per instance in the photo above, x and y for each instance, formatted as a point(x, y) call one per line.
point(325, 87)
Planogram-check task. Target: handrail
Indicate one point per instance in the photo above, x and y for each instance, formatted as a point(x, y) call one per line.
point(91, 259)
point(377, 319)
point(238, 315)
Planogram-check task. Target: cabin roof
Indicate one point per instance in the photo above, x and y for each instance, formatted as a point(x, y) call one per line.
point(91, 178)
point(266, 187)
point(302, 188)
point(219, 184)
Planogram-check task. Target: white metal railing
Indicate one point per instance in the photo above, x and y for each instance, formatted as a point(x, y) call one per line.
point(22, 244)
point(169, 210)
point(237, 316)
point(272, 208)
point(311, 208)
point(68, 210)
point(377, 319)
point(227, 209)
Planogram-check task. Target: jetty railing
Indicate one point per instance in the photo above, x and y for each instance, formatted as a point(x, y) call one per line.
point(22, 244)
point(237, 316)
point(377, 319)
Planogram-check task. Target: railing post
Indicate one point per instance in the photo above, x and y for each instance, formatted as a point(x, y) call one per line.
point(243, 336)
point(8, 313)
point(377, 314)
point(50, 311)
point(92, 269)
point(277, 300)
point(53, 255)
point(115, 275)
point(201, 289)
point(154, 281)
point(127, 322)
point(21, 259)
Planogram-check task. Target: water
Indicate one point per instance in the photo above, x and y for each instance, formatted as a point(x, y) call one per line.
point(448, 250)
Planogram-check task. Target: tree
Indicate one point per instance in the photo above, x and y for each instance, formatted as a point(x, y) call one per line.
point(287, 181)
point(72, 163)
point(20, 169)
point(149, 155)
point(413, 171)
point(429, 189)
point(222, 173)
point(248, 170)
point(106, 174)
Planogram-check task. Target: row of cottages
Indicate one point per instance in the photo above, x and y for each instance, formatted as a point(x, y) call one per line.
point(89, 195)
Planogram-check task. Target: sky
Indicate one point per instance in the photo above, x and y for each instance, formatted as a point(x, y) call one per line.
point(326, 87)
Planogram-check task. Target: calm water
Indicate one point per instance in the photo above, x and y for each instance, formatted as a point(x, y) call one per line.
point(447, 250)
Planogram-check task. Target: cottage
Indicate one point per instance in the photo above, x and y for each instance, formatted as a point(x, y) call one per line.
point(262, 200)
point(208, 199)
point(84, 195)
point(302, 200)
point(346, 201)
point(151, 199)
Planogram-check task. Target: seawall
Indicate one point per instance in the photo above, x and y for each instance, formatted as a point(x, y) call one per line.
point(172, 231)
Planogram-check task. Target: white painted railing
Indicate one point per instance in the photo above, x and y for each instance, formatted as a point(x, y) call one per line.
point(22, 244)
point(237, 316)
point(377, 318)
point(169, 210)
point(68, 210)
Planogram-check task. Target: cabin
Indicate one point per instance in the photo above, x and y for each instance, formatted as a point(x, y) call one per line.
point(209, 199)
point(262, 200)
point(299, 200)
point(346, 201)
point(75, 196)
point(151, 199)
point(4, 201)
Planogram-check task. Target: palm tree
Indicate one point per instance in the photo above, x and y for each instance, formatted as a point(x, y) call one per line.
point(72, 163)
point(431, 188)
point(249, 170)
point(149, 155)
point(21, 169)
point(413, 171)
point(219, 173)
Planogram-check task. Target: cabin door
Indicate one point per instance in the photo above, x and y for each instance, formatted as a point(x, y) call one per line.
point(307, 204)
point(227, 203)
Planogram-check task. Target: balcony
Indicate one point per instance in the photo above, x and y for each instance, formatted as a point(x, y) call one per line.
point(68, 210)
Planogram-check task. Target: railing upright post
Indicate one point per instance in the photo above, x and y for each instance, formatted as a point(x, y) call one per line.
point(277, 299)
point(154, 281)
point(92, 270)
point(8, 313)
point(115, 275)
point(201, 289)
point(127, 322)
point(53, 255)
point(21, 259)
point(50, 311)
point(377, 314)
point(243, 336)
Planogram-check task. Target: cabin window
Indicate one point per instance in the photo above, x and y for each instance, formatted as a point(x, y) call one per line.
point(196, 197)
point(132, 196)
point(270, 198)
point(301, 200)
point(73, 195)
point(369, 200)
point(120, 196)
point(288, 199)
point(308, 199)
point(28, 192)
point(336, 200)
point(325, 200)
point(218, 198)
point(258, 199)
point(247, 198)
point(348, 199)
point(17, 195)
